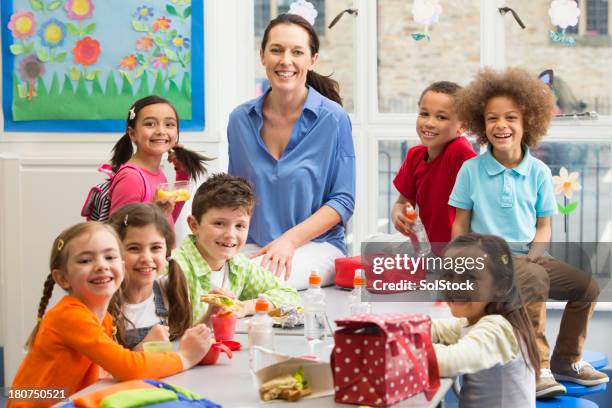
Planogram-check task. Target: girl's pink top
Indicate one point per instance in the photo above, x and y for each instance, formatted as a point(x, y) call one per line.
point(129, 188)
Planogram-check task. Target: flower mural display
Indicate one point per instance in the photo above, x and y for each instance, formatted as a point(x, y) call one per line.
point(425, 13)
point(66, 67)
point(564, 14)
point(163, 50)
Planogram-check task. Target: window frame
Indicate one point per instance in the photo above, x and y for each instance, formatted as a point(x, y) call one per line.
point(371, 126)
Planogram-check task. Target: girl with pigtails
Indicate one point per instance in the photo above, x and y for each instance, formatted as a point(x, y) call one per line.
point(153, 126)
point(148, 308)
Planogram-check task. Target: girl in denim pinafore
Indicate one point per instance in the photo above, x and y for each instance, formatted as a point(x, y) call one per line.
point(145, 309)
point(135, 336)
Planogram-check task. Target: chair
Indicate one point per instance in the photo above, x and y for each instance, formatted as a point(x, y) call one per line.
point(565, 402)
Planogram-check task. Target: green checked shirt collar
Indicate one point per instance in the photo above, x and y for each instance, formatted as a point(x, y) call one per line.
point(246, 279)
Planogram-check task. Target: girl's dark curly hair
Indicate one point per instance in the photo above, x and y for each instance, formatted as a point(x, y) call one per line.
point(532, 96)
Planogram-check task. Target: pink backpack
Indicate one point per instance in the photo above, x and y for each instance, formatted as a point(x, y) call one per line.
point(97, 204)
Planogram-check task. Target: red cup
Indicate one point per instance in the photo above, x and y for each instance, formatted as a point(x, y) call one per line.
point(224, 326)
point(213, 353)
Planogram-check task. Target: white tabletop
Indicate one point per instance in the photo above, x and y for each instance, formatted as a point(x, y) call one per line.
point(230, 383)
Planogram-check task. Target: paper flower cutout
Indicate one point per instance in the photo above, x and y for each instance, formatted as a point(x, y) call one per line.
point(30, 68)
point(564, 13)
point(162, 24)
point(79, 9)
point(143, 13)
point(426, 12)
point(181, 2)
point(160, 61)
point(128, 62)
point(566, 183)
point(305, 10)
point(86, 51)
point(179, 42)
point(144, 43)
point(22, 24)
point(52, 33)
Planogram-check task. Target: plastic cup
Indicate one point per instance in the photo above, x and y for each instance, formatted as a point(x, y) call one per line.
point(179, 190)
point(224, 326)
point(157, 346)
point(213, 354)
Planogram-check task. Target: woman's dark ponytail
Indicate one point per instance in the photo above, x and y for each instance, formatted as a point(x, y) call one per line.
point(324, 85)
point(122, 152)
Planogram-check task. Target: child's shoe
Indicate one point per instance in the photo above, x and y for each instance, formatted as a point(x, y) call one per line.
point(579, 372)
point(547, 387)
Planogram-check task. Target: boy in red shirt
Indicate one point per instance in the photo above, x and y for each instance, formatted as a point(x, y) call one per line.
point(427, 176)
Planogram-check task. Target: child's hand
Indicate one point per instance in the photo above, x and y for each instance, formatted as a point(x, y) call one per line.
point(214, 309)
point(401, 223)
point(158, 332)
point(195, 343)
point(178, 166)
point(537, 253)
point(167, 205)
point(277, 257)
point(247, 308)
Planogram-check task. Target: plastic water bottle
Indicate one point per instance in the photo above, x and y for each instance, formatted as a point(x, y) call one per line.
point(356, 303)
point(315, 320)
point(261, 332)
point(419, 239)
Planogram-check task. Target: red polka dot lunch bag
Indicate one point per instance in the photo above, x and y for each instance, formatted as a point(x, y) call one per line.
point(379, 360)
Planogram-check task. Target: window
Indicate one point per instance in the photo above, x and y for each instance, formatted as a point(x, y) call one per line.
point(596, 17)
point(407, 66)
point(594, 22)
point(382, 71)
point(581, 71)
point(319, 5)
point(263, 14)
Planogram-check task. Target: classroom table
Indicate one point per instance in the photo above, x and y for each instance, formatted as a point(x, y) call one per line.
point(230, 383)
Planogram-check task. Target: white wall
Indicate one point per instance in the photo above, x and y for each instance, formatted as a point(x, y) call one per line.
point(44, 177)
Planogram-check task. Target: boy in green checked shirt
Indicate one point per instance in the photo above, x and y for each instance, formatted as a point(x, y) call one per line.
point(210, 258)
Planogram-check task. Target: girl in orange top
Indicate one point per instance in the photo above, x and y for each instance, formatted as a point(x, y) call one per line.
point(74, 339)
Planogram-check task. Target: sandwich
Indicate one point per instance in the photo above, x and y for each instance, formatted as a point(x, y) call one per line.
point(290, 387)
point(224, 302)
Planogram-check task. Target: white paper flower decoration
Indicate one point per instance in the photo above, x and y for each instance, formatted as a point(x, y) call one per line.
point(426, 12)
point(304, 9)
point(566, 182)
point(564, 13)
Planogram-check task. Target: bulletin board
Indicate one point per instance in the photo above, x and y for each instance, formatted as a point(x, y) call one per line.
point(78, 65)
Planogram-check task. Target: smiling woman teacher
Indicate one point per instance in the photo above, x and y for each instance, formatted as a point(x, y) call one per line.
point(294, 144)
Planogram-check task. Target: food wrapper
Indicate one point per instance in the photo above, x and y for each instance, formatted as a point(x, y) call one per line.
point(271, 365)
point(288, 316)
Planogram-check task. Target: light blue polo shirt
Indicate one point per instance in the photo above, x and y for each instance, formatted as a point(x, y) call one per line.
point(505, 202)
point(316, 168)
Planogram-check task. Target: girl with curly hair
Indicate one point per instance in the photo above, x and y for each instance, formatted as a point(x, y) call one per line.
point(509, 193)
